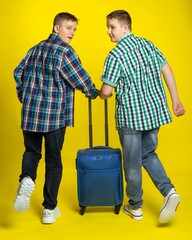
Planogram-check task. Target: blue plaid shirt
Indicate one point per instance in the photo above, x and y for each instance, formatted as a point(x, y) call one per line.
point(46, 80)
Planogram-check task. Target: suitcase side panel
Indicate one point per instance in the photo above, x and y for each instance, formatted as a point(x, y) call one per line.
point(99, 178)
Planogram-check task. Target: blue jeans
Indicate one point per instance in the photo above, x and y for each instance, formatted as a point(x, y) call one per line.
point(139, 150)
point(53, 164)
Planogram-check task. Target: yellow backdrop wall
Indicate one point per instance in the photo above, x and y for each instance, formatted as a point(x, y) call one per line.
point(25, 23)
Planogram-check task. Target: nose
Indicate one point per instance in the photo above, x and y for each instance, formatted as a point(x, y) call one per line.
point(72, 32)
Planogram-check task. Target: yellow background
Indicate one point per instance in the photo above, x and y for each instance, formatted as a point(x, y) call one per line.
point(25, 23)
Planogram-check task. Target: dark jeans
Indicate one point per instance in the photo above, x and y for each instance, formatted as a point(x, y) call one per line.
point(53, 164)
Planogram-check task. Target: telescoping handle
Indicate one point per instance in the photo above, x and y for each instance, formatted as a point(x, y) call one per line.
point(106, 123)
point(90, 123)
point(91, 126)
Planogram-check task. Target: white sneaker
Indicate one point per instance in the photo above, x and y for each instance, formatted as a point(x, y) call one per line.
point(136, 214)
point(22, 201)
point(49, 216)
point(170, 204)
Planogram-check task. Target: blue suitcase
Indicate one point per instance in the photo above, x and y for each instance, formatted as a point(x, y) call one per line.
point(99, 173)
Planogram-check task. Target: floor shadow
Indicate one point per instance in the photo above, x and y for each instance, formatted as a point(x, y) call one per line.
point(6, 219)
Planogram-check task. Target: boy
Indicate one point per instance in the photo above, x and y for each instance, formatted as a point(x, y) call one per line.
point(134, 69)
point(45, 81)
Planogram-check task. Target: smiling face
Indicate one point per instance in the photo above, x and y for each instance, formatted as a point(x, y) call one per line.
point(116, 29)
point(66, 30)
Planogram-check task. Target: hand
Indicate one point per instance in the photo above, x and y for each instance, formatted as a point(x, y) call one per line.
point(178, 109)
point(93, 97)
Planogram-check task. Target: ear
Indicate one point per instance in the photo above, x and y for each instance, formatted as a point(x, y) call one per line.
point(56, 28)
point(126, 28)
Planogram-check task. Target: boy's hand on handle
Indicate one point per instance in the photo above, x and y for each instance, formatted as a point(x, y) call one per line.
point(93, 97)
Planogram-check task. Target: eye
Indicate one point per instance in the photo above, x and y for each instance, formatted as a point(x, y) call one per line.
point(111, 27)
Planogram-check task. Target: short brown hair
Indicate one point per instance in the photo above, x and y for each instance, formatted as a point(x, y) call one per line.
point(122, 16)
point(64, 16)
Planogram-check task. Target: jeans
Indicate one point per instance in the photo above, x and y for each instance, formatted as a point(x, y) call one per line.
point(139, 150)
point(53, 164)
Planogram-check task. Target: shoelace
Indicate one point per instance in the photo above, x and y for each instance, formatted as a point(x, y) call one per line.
point(47, 212)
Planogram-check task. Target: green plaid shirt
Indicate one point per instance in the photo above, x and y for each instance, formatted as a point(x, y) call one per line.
point(133, 68)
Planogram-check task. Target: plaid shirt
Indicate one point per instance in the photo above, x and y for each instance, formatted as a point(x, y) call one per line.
point(45, 82)
point(133, 67)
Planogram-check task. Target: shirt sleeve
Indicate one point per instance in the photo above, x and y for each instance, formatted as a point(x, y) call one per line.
point(112, 71)
point(73, 72)
point(18, 75)
point(162, 59)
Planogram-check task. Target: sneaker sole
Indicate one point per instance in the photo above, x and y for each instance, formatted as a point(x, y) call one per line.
point(169, 210)
point(140, 217)
point(21, 203)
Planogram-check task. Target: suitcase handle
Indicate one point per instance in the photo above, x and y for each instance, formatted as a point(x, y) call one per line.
point(90, 123)
point(100, 147)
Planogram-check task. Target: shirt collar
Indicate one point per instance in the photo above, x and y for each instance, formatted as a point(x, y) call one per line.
point(54, 38)
point(126, 36)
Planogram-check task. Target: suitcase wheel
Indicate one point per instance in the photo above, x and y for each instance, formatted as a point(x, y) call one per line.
point(117, 209)
point(82, 210)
